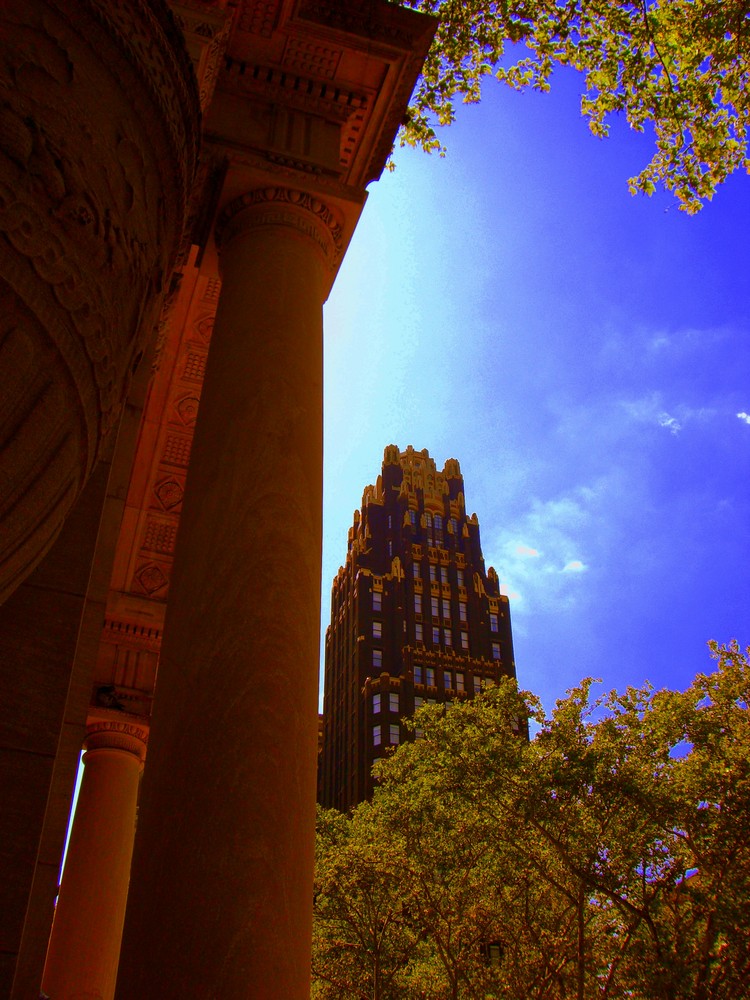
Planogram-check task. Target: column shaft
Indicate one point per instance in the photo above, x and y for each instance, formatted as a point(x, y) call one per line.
point(221, 894)
point(86, 932)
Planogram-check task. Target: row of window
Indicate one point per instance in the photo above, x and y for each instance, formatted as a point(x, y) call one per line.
point(433, 522)
point(438, 607)
point(393, 732)
point(447, 641)
point(425, 675)
point(392, 702)
point(451, 681)
point(447, 636)
point(438, 574)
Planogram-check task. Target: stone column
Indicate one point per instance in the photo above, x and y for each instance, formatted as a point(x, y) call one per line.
point(85, 943)
point(221, 895)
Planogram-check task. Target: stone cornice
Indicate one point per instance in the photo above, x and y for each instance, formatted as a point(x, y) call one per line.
point(297, 70)
point(393, 25)
point(400, 36)
point(294, 90)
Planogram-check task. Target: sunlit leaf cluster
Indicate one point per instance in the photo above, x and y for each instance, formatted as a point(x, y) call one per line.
point(606, 857)
point(677, 67)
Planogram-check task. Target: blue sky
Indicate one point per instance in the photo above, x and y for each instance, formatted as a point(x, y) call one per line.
point(584, 354)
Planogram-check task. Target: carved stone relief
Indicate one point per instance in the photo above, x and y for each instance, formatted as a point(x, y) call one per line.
point(187, 410)
point(98, 136)
point(285, 207)
point(152, 578)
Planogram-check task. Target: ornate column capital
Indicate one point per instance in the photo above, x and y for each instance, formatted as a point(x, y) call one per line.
point(281, 206)
point(112, 730)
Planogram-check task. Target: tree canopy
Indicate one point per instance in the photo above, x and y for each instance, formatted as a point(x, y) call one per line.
point(680, 67)
point(607, 857)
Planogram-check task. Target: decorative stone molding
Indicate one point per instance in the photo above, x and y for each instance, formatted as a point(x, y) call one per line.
point(384, 30)
point(115, 731)
point(165, 319)
point(152, 578)
point(206, 30)
point(258, 17)
point(293, 89)
point(277, 206)
point(117, 632)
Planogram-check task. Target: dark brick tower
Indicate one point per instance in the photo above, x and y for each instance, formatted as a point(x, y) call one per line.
point(414, 618)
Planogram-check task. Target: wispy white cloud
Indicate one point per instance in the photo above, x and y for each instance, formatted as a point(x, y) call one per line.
point(745, 417)
point(658, 342)
point(650, 409)
point(574, 566)
point(686, 340)
point(539, 558)
point(671, 423)
point(656, 348)
point(526, 552)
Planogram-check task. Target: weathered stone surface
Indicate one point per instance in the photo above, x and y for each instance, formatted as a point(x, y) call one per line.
point(98, 141)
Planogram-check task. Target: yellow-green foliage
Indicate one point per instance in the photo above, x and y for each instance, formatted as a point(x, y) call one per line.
point(608, 857)
point(679, 67)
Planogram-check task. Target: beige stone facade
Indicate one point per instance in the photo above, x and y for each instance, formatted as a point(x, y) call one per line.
point(177, 189)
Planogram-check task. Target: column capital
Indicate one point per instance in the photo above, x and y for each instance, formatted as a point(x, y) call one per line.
point(111, 730)
point(282, 206)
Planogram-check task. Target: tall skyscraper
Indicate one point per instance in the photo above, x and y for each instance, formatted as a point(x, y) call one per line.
point(415, 618)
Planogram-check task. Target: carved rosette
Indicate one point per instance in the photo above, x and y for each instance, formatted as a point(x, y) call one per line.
point(99, 127)
point(117, 731)
point(306, 214)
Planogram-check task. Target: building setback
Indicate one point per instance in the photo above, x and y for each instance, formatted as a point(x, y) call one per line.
point(415, 618)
